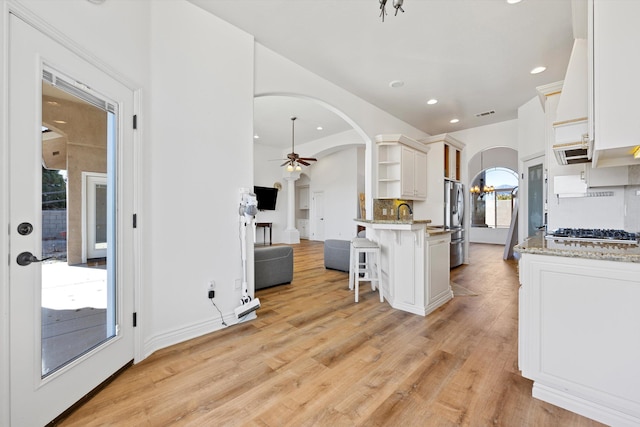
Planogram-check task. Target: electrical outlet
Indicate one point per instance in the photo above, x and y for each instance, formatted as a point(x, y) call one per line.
point(238, 283)
point(211, 286)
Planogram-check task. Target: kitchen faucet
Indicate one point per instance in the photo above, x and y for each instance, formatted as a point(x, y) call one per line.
point(408, 207)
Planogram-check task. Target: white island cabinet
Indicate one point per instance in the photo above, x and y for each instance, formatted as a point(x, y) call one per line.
point(415, 264)
point(579, 328)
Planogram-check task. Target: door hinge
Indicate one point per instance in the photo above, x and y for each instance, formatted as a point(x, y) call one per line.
point(135, 220)
point(135, 319)
point(135, 121)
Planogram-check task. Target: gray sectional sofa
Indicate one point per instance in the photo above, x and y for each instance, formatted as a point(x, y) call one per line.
point(273, 265)
point(336, 253)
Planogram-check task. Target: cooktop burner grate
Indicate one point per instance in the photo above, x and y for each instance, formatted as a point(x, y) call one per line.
point(593, 235)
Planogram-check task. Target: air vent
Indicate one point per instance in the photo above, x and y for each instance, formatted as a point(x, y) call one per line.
point(486, 113)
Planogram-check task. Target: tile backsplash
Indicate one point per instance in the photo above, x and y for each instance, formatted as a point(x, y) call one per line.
point(387, 209)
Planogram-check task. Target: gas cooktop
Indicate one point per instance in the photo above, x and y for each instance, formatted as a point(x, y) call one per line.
point(593, 235)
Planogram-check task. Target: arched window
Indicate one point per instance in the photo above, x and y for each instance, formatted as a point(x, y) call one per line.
point(493, 193)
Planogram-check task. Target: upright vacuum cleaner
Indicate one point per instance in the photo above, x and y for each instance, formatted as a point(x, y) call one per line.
point(248, 210)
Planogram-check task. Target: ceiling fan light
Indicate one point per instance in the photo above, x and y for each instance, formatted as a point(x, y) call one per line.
point(289, 167)
point(298, 168)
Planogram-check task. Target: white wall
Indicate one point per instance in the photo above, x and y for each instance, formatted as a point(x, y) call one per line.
point(336, 175)
point(503, 134)
point(531, 131)
point(278, 75)
point(266, 173)
point(332, 152)
point(201, 125)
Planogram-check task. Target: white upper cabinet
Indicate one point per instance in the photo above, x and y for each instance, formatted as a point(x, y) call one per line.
point(303, 196)
point(413, 184)
point(401, 168)
point(615, 35)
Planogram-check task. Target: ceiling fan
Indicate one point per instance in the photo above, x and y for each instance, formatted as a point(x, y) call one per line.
point(293, 159)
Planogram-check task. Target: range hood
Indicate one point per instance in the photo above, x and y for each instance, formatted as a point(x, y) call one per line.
point(572, 125)
point(571, 153)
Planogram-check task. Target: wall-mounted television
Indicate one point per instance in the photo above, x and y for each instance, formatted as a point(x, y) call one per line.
point(266, 198)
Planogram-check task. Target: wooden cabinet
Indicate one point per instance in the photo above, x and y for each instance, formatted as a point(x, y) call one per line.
point(452, 162)
point(616, 83)
point(401, 168)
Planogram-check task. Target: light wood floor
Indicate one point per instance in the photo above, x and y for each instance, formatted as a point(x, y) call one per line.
point(314, 357)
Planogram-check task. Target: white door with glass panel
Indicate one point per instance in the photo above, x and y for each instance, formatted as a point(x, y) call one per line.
point(534, 195)
point(70, 318)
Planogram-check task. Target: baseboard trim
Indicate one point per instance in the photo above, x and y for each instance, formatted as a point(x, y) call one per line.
point(584, 407)
point(192, 331)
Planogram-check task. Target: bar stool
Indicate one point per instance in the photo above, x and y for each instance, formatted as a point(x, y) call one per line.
point(369, 267)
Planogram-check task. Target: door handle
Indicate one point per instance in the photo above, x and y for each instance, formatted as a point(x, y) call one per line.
point(26, 258)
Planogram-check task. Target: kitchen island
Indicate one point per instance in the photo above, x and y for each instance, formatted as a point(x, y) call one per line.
point(579, 326)
point(415, 263)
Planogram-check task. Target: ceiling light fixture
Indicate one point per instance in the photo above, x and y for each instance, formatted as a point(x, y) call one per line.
point(454, 121)
point(396, 83)
point(513, 1)
point(636, 152)
point(294, 160)
point(432, 101)
point(482, 189)
point(538, 70)
point(256, 137)
point(319, 128)
point(397, 5)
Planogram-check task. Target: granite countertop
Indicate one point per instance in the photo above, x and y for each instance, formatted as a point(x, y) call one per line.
point(596, 250)
point(434, 231)
point(399, 225)
point(395, 221)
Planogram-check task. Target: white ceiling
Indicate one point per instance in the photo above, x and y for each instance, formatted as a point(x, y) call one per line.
point(472, 55)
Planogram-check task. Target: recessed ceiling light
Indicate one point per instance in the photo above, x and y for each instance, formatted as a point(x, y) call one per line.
point(256, 136)
point(396, 83)
point(513, 1)
point(432, 101)
point(454, 120)
point(319, 128)
point(538, 70)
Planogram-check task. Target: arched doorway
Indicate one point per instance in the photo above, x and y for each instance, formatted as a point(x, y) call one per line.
point(323, 132)
point(492, 192)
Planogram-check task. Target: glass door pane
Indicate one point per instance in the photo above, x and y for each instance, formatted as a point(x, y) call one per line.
point(78, 290)
point(535, 198)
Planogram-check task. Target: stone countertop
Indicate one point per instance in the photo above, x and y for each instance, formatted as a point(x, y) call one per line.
point(435, 231)
point(590, 250)
point(413, 224)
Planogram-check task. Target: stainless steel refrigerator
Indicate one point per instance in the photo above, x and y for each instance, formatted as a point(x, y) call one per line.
point(453, 220)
